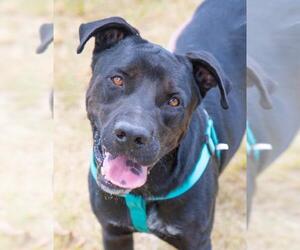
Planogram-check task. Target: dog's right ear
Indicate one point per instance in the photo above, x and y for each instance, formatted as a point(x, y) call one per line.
point(107, 32)
point(208, 73)
point(258, 77)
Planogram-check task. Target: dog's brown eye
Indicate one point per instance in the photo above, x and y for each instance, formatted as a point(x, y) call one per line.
point(117, 80)
point(174, 102)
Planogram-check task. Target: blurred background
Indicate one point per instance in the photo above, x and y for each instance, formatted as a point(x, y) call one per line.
point(275, 215)
point(273, 177)
point(44, 162)
point(26, 157)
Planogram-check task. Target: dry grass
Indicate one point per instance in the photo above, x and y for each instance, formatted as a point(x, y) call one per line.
point(26, 133)
point(276, 216)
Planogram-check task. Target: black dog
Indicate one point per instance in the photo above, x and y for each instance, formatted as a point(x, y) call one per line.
point(148, 108)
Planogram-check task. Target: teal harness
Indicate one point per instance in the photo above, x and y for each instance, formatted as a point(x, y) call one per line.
point(137, 204)
point(251, 141)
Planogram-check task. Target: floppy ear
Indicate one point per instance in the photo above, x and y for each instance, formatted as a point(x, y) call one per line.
point(107, 32)
point(208, 74)
point(258, 77)
point(46, 37)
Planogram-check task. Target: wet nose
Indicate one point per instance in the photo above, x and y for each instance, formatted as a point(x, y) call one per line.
point(127, 133)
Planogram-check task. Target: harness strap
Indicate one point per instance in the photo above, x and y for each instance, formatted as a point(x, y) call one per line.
point(137, 210)
point(251, 141)
point(137, 204)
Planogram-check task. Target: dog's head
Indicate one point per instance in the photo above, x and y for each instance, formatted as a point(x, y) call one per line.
point(140, 100)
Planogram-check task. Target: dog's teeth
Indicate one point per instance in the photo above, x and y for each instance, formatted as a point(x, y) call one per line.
point(102, 173)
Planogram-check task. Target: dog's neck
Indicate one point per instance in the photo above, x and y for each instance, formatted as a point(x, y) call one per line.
point(173, 169)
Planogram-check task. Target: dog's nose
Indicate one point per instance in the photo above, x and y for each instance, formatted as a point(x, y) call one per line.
point(131, 134)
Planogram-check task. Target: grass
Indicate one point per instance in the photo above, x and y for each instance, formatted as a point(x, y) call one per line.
point(275, 217)
point(26, 130)
point(27, 7)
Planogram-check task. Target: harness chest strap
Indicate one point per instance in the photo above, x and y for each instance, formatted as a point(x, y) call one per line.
point(251, 141)
point(253, 148)
point(137, 204)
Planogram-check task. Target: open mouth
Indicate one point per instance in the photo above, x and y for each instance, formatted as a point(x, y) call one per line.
point(123, 172)
point(118, 173)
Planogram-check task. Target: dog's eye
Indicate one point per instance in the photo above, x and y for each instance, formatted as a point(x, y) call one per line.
point(174, 102)
point(117, 80)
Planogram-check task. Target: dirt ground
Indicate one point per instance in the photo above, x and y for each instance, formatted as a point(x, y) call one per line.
point(26, 167)
point(44, 162)
point(275, 217)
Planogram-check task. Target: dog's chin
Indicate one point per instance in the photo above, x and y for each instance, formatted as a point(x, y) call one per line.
point(110, 188)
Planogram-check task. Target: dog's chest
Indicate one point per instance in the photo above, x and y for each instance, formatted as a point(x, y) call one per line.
point(155, 223)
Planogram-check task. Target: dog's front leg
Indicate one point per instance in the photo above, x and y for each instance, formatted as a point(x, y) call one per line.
point(115, 239)
point(203, 244)
point(206, 245)
point(189, 243)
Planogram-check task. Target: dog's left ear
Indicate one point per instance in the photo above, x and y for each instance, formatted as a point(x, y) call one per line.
point(107, 32)
point(208, 74)
point(46, 37)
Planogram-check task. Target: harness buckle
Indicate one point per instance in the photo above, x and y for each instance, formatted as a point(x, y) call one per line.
point(222, 146)
point(262, 146)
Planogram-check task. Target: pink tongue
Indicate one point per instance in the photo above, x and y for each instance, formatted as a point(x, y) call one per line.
point(123, 172)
